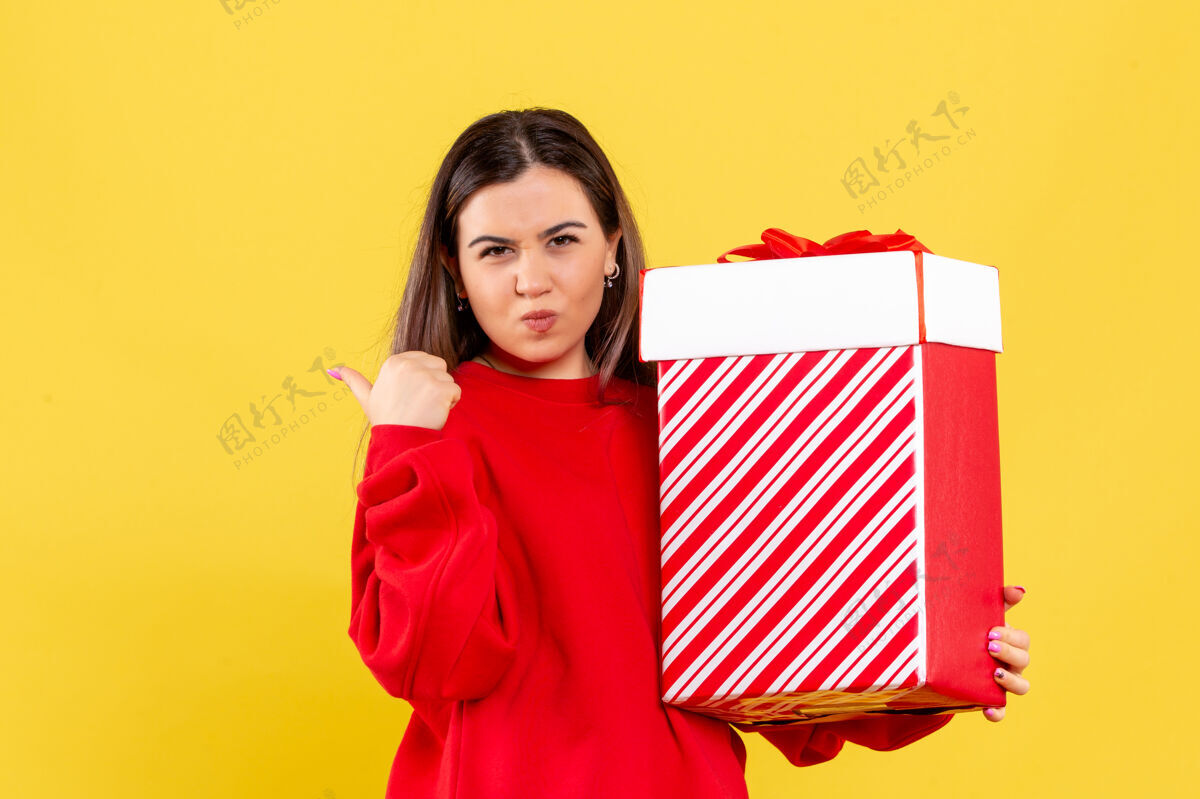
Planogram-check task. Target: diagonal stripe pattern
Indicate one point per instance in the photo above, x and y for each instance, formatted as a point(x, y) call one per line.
point(790, 501)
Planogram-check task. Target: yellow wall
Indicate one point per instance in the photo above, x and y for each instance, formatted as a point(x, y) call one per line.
point(193, 211)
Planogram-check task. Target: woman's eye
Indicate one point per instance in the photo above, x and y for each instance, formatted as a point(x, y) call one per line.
point(492, 250)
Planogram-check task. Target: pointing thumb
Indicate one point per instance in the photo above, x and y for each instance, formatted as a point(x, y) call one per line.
point(359, 386)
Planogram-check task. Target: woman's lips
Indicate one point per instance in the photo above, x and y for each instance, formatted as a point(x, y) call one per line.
point(540, 323)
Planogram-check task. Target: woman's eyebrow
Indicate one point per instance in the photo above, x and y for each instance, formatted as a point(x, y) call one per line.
point(550, 231)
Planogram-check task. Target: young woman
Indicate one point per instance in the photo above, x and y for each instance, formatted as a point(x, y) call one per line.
point(505, 561)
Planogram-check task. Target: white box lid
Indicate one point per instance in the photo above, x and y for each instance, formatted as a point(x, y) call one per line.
point(820, 302)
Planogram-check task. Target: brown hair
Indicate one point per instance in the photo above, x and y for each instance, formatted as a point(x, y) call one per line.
point(499, 148)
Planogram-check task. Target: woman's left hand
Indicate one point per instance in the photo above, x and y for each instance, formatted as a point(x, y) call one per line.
point(1013, 654)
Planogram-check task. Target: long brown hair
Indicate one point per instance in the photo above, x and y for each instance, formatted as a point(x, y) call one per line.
point(499, 148)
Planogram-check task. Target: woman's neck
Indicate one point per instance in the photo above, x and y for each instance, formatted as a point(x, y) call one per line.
point(500, 367)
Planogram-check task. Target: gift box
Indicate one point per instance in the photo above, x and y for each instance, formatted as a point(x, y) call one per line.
point(829, 479)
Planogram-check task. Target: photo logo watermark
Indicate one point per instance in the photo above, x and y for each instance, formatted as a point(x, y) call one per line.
point(868, 187)
point(940, 565)
point(243, 15)
point(265, 418)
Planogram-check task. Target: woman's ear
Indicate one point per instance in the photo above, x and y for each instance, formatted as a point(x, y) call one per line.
point(450, 264)
point(613, 241)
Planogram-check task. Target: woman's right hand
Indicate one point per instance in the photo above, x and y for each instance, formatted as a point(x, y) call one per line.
point(413, 388)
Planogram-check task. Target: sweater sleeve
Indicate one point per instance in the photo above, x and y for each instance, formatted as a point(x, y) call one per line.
point(810, 744)
point(433, 610)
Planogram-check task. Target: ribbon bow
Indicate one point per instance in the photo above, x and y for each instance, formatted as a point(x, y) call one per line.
point(781, 244)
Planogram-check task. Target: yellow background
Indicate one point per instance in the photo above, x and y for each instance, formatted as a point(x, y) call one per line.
point(193, 211)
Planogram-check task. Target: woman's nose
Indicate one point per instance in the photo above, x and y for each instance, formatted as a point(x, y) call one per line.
point(533, 275)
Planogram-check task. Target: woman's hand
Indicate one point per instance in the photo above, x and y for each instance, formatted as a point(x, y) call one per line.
point(413, 388)
point(1013, 654)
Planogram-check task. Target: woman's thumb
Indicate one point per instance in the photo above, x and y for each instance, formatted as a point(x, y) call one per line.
point(359, 386)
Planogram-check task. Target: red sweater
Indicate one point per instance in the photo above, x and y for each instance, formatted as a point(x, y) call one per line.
point(505, 582)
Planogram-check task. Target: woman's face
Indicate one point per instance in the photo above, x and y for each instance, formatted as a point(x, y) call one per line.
point(534, 244)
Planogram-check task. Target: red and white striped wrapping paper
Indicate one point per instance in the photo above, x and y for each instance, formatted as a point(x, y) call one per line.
point(830, 517)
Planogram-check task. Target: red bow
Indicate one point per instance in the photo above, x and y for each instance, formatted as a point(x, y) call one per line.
point(781, 244)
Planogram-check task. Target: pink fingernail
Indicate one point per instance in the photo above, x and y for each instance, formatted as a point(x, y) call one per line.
point(334, 374)
point(994, 646)
point(1021, 587)
point(993, 635)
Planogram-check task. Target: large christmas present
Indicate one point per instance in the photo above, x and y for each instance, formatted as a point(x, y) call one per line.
point(829, 479)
